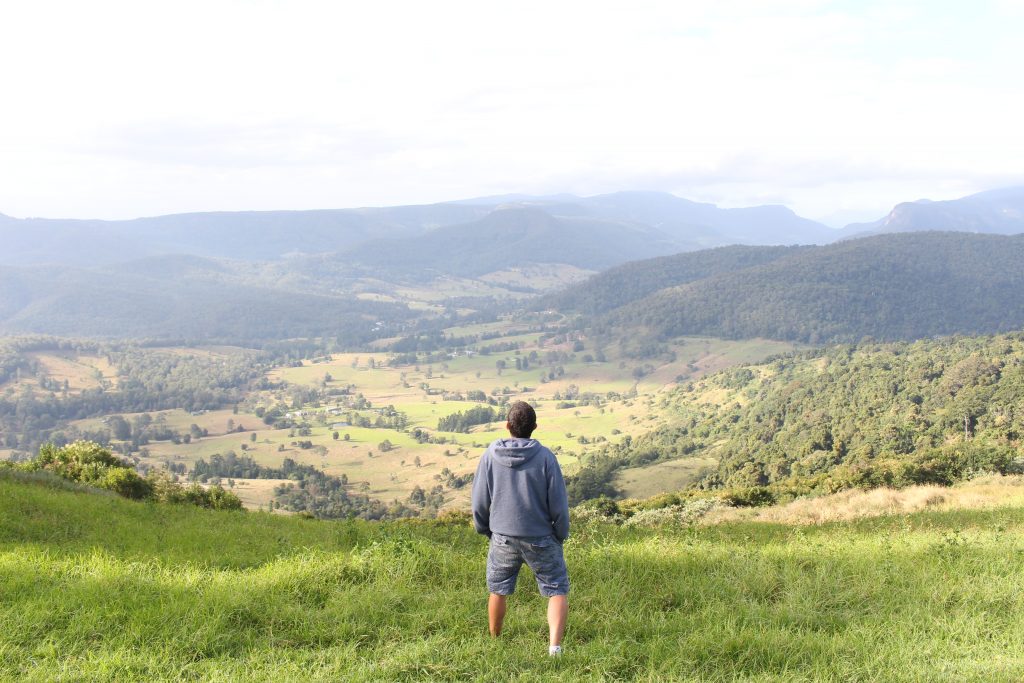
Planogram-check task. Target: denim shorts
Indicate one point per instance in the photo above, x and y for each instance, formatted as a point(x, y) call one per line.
point(542, 554)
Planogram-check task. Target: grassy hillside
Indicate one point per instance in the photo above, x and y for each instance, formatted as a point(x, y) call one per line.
point(903, 286)
point(95, 588)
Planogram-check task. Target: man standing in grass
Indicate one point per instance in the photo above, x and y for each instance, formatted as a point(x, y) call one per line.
point(519, 502)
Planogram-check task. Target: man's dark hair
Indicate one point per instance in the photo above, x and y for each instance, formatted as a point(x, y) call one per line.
point(522, 420)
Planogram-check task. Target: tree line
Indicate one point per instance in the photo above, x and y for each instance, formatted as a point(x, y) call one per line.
point(463, 421)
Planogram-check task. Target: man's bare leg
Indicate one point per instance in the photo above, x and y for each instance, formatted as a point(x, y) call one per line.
point(496, 613)
point(558, 609)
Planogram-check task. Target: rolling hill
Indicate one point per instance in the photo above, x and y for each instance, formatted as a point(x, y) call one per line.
point(179, 297)
point(632, 281)
point(245, 235)
point(901, 286)
point(509, 237)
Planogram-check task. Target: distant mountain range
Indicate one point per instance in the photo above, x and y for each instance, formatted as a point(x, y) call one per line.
point(999, 212)
point(592, 232)
point(475, 236)
point(511, 237)
point(244, 235)
point(278, 274)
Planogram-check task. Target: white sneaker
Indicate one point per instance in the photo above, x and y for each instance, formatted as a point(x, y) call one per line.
point(555, 651)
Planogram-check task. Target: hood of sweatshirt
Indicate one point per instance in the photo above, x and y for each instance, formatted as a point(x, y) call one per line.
point(514, 452)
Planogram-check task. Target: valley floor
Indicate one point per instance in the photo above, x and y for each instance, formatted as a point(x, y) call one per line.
point(98, 588)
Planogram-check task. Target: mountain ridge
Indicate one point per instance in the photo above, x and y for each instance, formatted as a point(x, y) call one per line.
point(273, 235)
point(999, 211)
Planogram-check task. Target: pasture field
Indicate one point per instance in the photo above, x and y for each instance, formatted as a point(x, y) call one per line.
point(79, 371)
point(98, 588)
point(628, 406)
point(214, 421)
point(255, 492)
point(548, 277)
point(448, 287)
point(582, 405)
point(541, 278)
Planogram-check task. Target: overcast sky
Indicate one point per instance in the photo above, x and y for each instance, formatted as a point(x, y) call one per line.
point(124, 109)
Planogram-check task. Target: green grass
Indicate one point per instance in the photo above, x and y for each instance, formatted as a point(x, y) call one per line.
point(99, 588)
point(645, 482)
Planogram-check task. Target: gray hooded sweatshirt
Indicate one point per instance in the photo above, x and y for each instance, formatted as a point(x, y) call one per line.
point(518, 490)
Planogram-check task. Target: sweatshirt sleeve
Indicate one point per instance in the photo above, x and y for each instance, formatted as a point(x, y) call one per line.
point(558, 501)
point(481, 500)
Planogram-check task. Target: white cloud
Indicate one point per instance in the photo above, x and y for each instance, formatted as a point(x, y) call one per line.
point(125, 108)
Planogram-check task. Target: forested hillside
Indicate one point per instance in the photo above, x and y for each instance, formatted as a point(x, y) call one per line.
point(180, 297)
point(903, 286)
point(141, 379)
point(866, 415)
point(632, 281)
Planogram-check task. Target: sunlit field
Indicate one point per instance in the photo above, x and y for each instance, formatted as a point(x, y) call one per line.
point(423, 393)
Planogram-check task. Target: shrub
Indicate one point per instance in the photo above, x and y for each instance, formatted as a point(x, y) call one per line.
point(603, 505)
point(77, 461)
point(219, 498)
point(584, 515)
point(125, 482)
point(214, 498)
point(673, 515)
point(454, 517)
point(751, 496)
point(89, 463)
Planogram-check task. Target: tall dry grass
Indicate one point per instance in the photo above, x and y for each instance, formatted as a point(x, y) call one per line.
point(990, 491)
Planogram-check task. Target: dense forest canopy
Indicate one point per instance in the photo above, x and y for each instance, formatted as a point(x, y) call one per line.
point(632, 281)
point(903, 286)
